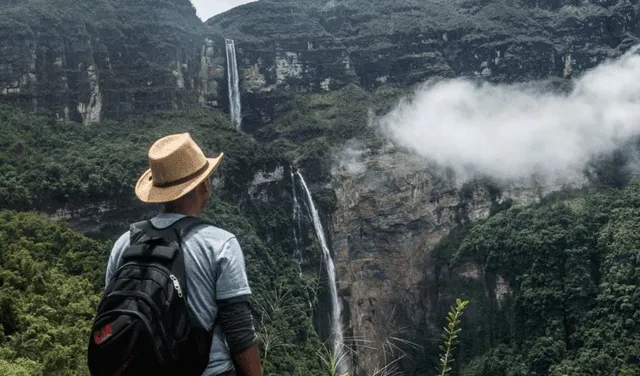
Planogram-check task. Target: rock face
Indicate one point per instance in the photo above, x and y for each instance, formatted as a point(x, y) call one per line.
point(391, 209)
point(282, 52)
point(497, 40)
point(318, 45)
point(391, 212)
point(105, 59)
point(105, 219)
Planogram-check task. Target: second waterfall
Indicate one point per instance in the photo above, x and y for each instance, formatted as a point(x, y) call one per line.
point(336, 309)
point(233, 82)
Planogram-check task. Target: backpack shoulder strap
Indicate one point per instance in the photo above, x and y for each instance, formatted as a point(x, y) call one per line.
point(163, 244)
point(146, 232)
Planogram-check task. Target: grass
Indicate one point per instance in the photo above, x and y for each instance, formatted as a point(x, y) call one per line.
point(391, 350)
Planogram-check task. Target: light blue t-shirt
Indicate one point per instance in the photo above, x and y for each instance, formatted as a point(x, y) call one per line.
point(215, 271)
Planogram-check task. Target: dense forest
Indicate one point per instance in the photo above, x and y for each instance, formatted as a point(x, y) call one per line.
point(571, 260)
point(573, 263)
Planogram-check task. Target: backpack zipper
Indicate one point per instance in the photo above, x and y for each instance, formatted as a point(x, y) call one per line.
point(162, 269)
point(176, 284)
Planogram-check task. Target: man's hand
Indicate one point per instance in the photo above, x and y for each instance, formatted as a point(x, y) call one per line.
point(247, 362)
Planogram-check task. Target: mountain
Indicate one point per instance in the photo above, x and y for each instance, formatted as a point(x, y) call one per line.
point(87, 86)
point(389, 210)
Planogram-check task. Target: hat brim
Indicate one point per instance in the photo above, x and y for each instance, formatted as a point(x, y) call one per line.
point(147, 192)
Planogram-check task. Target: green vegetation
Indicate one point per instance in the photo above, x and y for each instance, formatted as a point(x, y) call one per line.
point(48, 165)
point(571, 265)
point(49, 279)
point(50, 283)
point(569, 302)
point(450, 336)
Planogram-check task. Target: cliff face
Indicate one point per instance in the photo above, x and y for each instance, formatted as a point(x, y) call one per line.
point(283, 51)
point(106, 59)
point(497, 40)
point(292, 47)
point(392, 211)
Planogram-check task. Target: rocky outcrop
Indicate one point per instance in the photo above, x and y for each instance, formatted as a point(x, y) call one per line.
point(392, 210)
point(283, 51)
point(106, 59)
point(104, 219)
point(498, 40)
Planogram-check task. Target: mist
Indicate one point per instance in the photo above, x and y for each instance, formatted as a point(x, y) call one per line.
point(516, 131)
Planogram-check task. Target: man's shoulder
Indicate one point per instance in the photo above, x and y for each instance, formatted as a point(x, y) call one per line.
point(211, 228)
point(205, 234)
point(204, 228)
point(211, 234)
point(123, 240)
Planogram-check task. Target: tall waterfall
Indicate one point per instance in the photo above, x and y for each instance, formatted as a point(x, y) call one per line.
point(296, 223)
point(233, 82)
point(336, 309)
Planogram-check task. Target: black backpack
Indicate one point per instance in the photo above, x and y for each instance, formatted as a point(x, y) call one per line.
point(143, 325)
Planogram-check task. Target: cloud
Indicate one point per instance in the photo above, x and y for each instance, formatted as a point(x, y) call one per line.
point(351, 158)
point(515, 131)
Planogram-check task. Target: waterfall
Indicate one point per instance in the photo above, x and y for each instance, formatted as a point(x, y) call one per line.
point(296, 223)
point(336, 309)
point(232, 80)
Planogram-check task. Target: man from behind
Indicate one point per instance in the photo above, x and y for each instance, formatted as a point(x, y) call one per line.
point(215, 282)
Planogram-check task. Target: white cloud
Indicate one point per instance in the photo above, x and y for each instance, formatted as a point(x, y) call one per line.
point(209, 8)
point(509, 132)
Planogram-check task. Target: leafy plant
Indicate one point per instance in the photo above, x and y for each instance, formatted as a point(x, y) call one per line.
point(450, 336)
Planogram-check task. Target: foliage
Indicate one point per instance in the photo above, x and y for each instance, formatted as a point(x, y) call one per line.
point(450, 336)
point(50, 277)
point(571, 266)
point(316, 123)
point(50, 284)
point(49, 165)
point(570, 262)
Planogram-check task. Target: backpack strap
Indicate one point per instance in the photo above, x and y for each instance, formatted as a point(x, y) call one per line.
point(163, 245)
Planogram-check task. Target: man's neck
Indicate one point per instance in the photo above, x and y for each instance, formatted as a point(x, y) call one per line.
point(193, 212)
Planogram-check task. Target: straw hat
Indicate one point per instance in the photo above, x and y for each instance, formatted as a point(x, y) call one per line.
point(177, 166)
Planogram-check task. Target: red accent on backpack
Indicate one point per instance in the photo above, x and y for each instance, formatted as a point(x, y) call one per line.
point(100, 335)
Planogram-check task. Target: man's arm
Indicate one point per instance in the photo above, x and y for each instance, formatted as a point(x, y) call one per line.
point(234, 314)
point(237, 324)
point(247, 362)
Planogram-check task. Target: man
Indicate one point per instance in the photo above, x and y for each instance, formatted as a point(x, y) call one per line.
point(218, 289)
